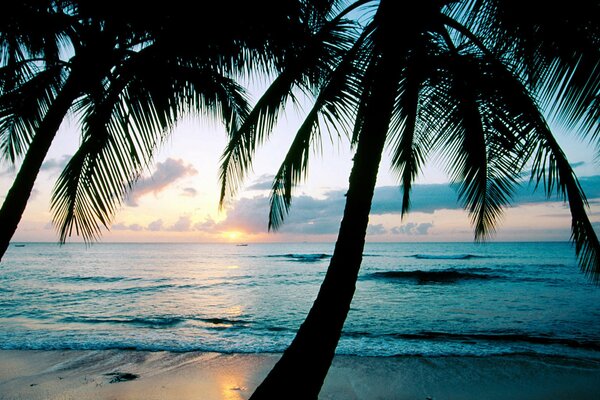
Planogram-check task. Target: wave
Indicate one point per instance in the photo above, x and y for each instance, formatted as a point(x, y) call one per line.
point(155, 322)
point(140, 289)
point(224, 321)
point(437, 276)
point(302, 257)
point(129, 290)
point(97, 279)
point(445, 256)
point(502, 337)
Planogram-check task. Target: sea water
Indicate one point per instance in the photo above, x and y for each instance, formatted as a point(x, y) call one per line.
point(411, 299)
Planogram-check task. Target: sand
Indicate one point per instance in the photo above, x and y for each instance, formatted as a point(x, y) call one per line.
point(119, 374)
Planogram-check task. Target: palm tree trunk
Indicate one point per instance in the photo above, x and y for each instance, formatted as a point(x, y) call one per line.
point(18, 195)
point(301, 371)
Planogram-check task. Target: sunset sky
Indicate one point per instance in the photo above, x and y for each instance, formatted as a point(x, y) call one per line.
point(177, 199)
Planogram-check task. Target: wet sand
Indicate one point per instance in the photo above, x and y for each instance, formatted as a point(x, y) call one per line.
point(120, 374)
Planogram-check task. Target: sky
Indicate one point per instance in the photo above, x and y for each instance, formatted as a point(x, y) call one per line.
point(176, 199)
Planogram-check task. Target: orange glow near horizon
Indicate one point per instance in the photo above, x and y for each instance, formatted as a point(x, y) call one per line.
point(232, 235)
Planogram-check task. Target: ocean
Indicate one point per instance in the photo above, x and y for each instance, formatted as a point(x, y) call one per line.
point(431, 299)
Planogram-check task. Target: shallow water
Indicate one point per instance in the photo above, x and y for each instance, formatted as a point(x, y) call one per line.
point(425, 298)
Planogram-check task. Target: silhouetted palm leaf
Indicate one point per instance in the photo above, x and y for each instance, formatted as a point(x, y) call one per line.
point(557, 49)
point(30, 69)
point(305, 71)
point(122, 131)
point(334, 107)
point(23, 108)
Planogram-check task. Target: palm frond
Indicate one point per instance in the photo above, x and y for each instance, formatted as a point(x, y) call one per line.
point(23, 108)
point(122, 129)
point(90, 187)
point(37, 29)
point(408, 150)
point(557, 49)
point(304, 71)
point(335, 107)
point(236, 160)
point(367, 80)
point(478, 136)
point(550, 167)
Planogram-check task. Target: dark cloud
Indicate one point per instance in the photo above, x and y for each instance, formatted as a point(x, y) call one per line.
point(56, 164)
point(309, 215)
point(189, 192)
point(166, 173)
point(312, 216)
point(378, 229)
point(431, 197)
point(424, 198)
point(263, 182)
point(412, 229)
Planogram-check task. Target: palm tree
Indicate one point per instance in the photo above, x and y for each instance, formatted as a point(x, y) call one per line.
point(31, 99)
point(128, 79)
point(434, 78)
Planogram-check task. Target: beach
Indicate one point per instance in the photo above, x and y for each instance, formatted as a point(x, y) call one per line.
point(128, 375)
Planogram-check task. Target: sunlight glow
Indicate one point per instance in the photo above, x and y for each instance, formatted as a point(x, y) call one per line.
point(232, 235)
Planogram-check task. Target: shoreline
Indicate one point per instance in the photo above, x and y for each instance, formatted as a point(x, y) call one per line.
point(133, 374)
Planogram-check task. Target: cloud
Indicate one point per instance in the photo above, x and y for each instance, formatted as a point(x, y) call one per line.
point(155, 225)
point(124, 227)
point(9, 172)
point(322, 216)
point(263, 182)
point(34, 194)
point(309, 215)
point(431, 197)
point(578, 164)
point(424, 198)
point(183, 224)
point(412, 229)
point(207, 226)
point(56, 164)
point(378, 229)
point(166, 174)
point(189, 192)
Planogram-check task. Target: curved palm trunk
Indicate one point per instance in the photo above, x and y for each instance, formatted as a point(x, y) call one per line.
point(302, 369)
point(18, 195)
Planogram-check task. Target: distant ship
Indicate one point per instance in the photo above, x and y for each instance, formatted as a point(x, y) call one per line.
point(19, 245)
point(242, 244)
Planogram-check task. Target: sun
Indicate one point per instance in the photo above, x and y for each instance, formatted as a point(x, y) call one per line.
point(232, 235)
